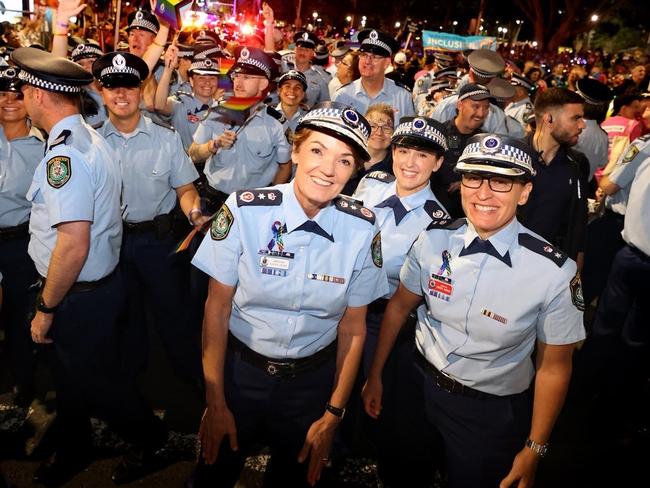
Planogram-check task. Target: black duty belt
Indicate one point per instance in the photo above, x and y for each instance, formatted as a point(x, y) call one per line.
point(84, 286)
point(10, 233)
point(138, 227)
point(283, 368)
point(446, 382)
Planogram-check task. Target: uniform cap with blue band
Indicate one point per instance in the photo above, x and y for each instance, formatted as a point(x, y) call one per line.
point(420, 132)
point(143, 20)
point(293, 75)
point(520, 80)
point(496, 154)
point(86, 51)
point(253, 61)
point(120, 70)
point(9, 80)
point(340, 121)
point(49, 72)
point(377, 42)
point(203, 66)
point(305, 39)
point(486, 63)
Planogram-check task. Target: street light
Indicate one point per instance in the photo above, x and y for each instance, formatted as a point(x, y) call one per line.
point(594, 18)
point(349, 18)
point(454, 23)
point(397, 25)
point(315, 15)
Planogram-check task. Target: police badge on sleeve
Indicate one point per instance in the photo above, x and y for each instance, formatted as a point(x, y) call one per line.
point(375, 249)
point(58, 171)
point(221, 224)
point(576, 293)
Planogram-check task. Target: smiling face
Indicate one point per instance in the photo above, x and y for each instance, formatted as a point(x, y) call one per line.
point(139, 41)
point(381, 130)
point(245, 85)
point(491, 211)
point(471, 114)
point(413, 168)
point(204, 86)
point(291, 93)
point(324, 166)
point(12, 107)
point(372, 66)
point(123, 104)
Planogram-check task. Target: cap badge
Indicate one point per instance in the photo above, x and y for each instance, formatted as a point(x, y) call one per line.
point(202, 33)
point(139, 15)
point(305, 37)
point(9, 73)
point(119, 63)
point(373, 35)
point(80, 47)
point(419, 124)
point(162, 8)
point(491, 144)
point(207, 63)
point(350, 117)
point(244, 54)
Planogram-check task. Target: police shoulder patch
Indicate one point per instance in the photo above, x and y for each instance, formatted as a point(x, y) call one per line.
point(433, 209)
point(447, 223)
point(276, 114)
point(353, 208)
point(382, 176)
point(259, 197)
point(630, 154)
point(575, 285)
point(59, 171)
point(375, 250)
point(543, 248)
point(221, 224)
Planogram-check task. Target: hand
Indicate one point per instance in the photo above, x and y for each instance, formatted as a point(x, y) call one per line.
point(371, 393)
point(67, 9)
point(216, 423)
point(317, 446)
point(41, 324)
point(522, 473)
point(171, 57)
point(225, 140)
point(267, 13)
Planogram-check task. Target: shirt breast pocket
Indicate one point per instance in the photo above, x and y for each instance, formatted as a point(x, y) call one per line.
point(34, 194)
point(157, 181)
point(259, 142)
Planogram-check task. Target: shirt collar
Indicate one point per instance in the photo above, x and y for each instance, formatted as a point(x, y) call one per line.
point(502, 240)
point(295, 215)
point(362, 91)
point(417, 199)
point(143, 126)
point(66, 123)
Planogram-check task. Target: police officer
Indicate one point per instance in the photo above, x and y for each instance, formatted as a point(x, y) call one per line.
point(291, 88)
point(156, 172)
point(21, 148)
point(292, 269)
point(593, 141)
point(76, 230)
point(317, 90)
point(521, 106)
point(256, 152)
point(188, 109)
point(472, 361)
point(93, 108)
point(375, 54)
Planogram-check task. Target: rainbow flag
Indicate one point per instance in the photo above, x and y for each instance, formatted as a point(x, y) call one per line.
point(239, 104)
point(225, 64)
point(225, 83)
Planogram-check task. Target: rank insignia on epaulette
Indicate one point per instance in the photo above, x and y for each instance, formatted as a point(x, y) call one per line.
point(447, 224)
point(221, 224)
point(353, 208)
point(432, 208)
point(543, 248)
point(259, 197)
point(576, 293)
point(59, 171)
point(381, 176)
point(375, 250)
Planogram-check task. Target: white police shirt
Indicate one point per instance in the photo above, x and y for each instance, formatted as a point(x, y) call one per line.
point(77, 180)
point(187, 113)
point(482, 316)
point(354, 95)
point(416, 213)
point(593, 143)
point(153, 164)
point(293, 285)
point(18, 161)
point(495, 122)
point(636, 230)
point(625, 171)
point(252, 160)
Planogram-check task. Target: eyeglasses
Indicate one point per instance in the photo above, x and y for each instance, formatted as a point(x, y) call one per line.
point(499, 184)
point(345, 64)
point(371, 57)
point(386, 129)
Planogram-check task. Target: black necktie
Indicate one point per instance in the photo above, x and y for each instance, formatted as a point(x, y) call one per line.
point(479, 245)
point(311, 226)
point(398, 209)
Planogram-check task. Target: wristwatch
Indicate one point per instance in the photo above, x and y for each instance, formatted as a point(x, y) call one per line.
point(541, 449)
point(41, 307)
point(336, 411)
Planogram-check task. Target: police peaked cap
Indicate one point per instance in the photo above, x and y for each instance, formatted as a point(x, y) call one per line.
point(49, 72)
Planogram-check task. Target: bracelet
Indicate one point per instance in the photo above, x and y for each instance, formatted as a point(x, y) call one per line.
point(336, 411)
point(541, 449)
point(192, 212)
point(158, 44)
point(63, 34)
point(41, 307)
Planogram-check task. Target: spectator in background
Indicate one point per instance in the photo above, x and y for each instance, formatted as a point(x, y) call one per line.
point(623, 124)
point(347, 70)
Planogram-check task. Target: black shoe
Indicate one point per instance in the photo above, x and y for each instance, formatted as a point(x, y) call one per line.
point(138, 463)
point(58, 470)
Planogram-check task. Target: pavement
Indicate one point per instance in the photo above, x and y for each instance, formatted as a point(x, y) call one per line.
point(597, 442)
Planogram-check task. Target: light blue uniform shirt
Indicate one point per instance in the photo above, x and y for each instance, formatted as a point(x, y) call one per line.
point(291, 123)
point(396, 239)
point(354, 95)
point(251, 162)
point(593, 143)
point(317, 87)
point(153, 163)
point(480, 321)
point(18, 161)
point(92, 194)
point(187, 112)
point(289, 306)
point(636, 230)
point(520, 110)
point(496, 121)
point(624, 172)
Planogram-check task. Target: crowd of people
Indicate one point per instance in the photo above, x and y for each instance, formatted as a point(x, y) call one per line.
point(365, 232)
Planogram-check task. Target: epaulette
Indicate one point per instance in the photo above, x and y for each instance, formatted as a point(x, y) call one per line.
point(98, 125)
point(432, 208)
point(264, 198)
point(61, 139)
point(352, 208)
point(447, 224)
point(350, 199)
point(382, 176)
point(162, 123)
point(543, 248)
point(402, 85)
point(343, 86)
point(180, 94)
point(276, 114)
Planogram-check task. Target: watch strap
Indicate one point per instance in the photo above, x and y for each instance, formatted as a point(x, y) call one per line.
point(541, 449)
point(336, 411)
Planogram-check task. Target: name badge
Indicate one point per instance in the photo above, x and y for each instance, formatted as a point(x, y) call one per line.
point(273, 272)
point(278, 254)
point(440, 287)
point(274, 263)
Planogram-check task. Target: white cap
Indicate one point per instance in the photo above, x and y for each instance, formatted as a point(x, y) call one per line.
point(400, 58)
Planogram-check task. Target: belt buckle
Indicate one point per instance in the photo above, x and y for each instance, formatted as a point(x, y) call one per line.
point(275, 368)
